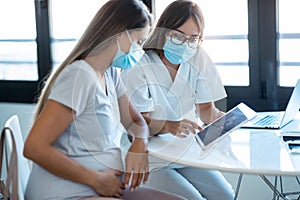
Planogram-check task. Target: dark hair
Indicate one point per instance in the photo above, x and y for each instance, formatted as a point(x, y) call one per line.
point(174, 16)
point(113, 18)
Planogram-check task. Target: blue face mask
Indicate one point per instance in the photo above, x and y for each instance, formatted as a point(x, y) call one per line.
point(128, 60)
point(178, 54)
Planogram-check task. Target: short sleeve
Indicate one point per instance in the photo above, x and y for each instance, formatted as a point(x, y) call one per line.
point(137, 88)
point(209, 86)
point(74, 86)
point(119, 85)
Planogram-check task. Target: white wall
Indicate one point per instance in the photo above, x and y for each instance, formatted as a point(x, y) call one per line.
point(24, 111)
point(252, 186)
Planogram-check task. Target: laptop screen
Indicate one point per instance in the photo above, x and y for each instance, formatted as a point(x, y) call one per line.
point(293, 105)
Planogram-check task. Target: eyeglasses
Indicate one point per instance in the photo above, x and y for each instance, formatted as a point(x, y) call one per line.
point(179, 39)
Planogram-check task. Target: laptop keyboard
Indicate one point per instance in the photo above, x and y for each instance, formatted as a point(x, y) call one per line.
point(267, 120)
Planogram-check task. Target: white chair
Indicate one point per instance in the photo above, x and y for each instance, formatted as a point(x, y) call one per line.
point(23, 163)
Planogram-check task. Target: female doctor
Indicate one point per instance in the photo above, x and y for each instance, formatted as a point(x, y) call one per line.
point(174, 83)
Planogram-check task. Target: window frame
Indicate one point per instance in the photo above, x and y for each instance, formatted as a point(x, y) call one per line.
point(262, 94)
point(28, 91)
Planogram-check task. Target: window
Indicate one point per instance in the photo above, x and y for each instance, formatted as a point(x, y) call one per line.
point(225, 37)
point(254, 45)
point(19, 72)
point(241, 38)
point(17, 41)
point(289, 42)
point(35, 43)
point(80, 13)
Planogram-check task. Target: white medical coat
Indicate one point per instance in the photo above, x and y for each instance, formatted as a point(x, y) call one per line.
point(151, 88)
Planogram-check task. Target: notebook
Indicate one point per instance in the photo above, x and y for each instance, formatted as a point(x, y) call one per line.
point(218, 129)
point(277, 120)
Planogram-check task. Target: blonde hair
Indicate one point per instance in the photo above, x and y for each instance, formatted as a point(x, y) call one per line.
point(113, 18)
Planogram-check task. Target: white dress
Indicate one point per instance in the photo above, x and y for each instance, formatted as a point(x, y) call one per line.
point(151, 89)
point(90, 138)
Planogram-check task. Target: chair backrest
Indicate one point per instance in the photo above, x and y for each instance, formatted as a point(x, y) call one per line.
point(23, 163)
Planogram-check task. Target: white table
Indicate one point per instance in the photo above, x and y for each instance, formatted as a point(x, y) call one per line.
point(245, 151)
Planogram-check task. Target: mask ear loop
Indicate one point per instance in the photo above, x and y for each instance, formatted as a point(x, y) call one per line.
point(133, 44)
point(118, 44)
point(129, 37)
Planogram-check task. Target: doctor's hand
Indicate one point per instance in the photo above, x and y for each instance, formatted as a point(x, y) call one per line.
point(137, 168)
point(181, 128)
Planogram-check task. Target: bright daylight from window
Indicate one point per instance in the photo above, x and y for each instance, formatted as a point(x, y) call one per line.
point(289, 42)
point(225, 42)
point(18, 59)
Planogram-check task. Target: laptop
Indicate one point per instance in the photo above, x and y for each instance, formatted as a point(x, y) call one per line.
point(221, 127)
point(277, 120)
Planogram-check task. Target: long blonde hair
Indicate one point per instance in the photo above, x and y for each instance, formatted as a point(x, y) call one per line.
point(113, 18)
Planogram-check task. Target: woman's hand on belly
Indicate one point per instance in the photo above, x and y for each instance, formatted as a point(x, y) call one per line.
point(107, 184)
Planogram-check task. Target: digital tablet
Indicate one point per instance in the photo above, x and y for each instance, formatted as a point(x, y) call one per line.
point(232, 120)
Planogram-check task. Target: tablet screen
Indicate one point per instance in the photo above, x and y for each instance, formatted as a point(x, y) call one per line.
point(222, 125)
